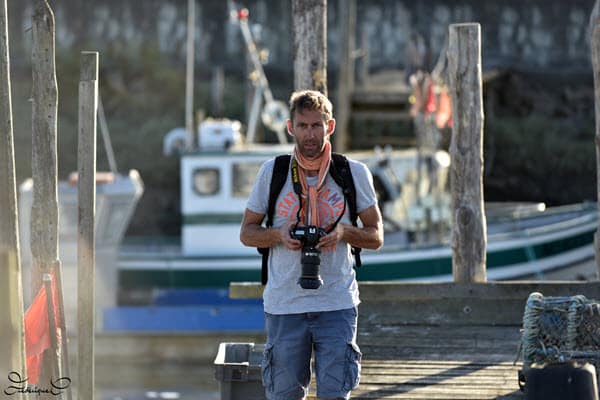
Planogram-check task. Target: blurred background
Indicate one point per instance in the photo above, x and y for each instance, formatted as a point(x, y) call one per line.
point(539, 115)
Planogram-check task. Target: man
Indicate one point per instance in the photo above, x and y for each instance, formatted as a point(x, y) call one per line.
point(299, 320)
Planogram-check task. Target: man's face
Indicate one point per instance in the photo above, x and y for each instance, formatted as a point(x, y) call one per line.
point(310, 129)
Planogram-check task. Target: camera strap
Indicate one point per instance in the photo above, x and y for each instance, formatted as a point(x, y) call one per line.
point(339, 170)
point(298, 190)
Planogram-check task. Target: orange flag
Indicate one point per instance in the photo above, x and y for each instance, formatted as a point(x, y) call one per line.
point(37, 331)
point(444, 114)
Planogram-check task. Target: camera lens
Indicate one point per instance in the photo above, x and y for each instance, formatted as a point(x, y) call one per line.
point(310, 260)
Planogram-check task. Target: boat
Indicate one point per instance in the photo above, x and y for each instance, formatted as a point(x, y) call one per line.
point(187, 281)
point(215, 186)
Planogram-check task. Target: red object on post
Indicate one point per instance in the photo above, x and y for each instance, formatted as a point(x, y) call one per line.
point(37, 331)
point(243, 13)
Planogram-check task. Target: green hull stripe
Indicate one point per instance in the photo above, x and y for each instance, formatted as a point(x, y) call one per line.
point(132, 279)
point(211, 218)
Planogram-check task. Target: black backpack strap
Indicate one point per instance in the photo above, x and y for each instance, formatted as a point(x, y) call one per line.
point(342, 175)
point(280, 172)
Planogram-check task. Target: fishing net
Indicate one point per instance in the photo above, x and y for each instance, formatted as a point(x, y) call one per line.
point(558, 329)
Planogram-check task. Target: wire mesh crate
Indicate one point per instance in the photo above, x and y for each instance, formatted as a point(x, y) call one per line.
point(559, 329)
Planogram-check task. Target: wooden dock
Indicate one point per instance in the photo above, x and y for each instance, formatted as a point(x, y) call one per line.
point(438, 362)
point(443, 340)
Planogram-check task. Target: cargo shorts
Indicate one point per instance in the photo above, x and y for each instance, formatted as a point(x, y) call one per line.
point(291, 341)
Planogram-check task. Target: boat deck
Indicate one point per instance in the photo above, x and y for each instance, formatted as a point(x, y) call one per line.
point(443, 340)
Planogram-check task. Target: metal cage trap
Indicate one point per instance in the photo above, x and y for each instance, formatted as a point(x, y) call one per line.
point(560, 329)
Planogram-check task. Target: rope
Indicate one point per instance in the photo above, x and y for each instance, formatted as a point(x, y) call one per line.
point(573, 321)
point(531, 327)
point(560, 329)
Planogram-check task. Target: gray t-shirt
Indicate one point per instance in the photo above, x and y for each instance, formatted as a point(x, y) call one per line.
point(339, 291)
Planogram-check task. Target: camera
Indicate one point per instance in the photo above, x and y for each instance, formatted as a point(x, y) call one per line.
point(310, 260)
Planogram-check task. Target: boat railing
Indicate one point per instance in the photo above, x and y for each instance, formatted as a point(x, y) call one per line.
point(551, 221)
point(554, 227)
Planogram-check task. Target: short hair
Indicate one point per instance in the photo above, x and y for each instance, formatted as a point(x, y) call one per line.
point(310, 100)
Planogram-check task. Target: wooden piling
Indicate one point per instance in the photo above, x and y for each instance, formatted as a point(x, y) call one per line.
point(12, 351)
point(44, 208)
point(189, 74)
point(469, 240)
point(12, 348)
point(86, 249)
point(310, 44)
point(345, 86)
point(217, 91)
point(595, 49)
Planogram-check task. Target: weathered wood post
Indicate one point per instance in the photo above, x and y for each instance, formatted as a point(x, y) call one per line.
point(466, 151)
point(12, 348)
point(595, 47)
point(86, 249)
point(44, 208)
point(310, 44)
point(345, 87)
point(189, 74)
point(217, 89)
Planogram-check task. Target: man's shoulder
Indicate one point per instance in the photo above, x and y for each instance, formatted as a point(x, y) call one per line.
point(269, 164)
point(357, 166)
point(284, 156)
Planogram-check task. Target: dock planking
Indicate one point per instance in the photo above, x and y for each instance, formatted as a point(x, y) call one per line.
point(434, 341)
point(438, 362)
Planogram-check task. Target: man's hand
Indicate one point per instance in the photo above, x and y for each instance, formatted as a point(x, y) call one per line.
point(369, 236)
point(286, 239)
point(332, 238)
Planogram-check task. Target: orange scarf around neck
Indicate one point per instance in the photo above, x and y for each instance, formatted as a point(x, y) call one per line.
point(320, 164)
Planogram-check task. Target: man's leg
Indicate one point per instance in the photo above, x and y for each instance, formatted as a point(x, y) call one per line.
point(337, 357)
point(286, 362)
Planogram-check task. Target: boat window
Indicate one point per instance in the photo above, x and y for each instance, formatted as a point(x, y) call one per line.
point(206, 181)
point(244, 175)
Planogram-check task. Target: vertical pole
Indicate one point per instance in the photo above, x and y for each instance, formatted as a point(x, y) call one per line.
point(595, 47)
point(12, 354)
point(466, 151)
point(250, 87)
point(309, 19)
point(362, 76)
point(12, 348)
point(86, 148)
point(347, 12)
point(217, 89)
point(108, 148)
point(254, 111)
point(44, 208)
point(189, 75)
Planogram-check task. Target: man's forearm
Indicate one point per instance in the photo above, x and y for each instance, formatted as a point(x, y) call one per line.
point(366, 237)
point(259, 236)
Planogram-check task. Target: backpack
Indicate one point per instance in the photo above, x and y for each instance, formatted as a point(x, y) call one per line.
point(339, 170)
